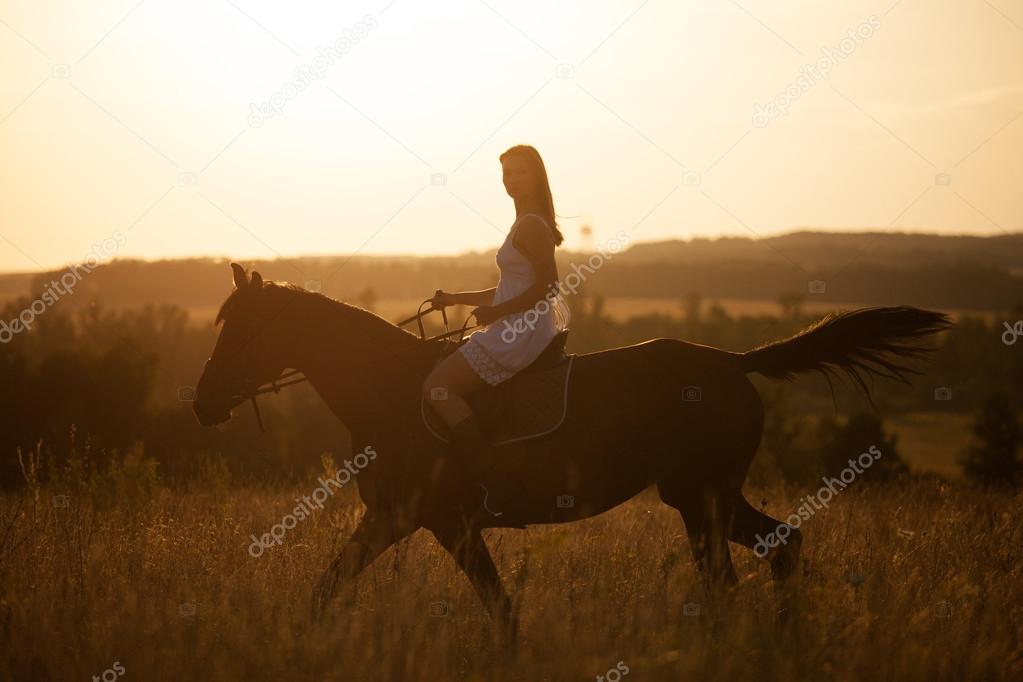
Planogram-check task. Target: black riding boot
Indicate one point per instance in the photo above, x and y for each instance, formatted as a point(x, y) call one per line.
point(472, 449)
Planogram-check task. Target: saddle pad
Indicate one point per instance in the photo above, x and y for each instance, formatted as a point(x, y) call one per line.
point(529, 405)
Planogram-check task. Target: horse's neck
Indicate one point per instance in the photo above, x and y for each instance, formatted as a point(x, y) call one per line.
point(356, 362)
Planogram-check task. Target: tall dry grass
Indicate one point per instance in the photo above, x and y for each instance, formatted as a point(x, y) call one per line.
point(160, 581)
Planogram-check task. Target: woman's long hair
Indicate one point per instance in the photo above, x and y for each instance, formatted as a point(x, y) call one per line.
point(543, 188)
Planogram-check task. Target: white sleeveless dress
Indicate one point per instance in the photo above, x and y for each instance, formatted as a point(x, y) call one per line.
point(512, 342)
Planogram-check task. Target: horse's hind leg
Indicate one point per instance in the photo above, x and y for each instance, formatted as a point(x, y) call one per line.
point(705, 512)
point(758, 531)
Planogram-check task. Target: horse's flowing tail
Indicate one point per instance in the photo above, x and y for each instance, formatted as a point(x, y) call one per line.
point(858, 343)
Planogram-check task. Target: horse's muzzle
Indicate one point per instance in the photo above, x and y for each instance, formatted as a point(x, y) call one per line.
point(210, 417)
point(209, 407)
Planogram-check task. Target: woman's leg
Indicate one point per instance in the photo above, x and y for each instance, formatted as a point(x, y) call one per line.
point(448, 384)
point(445, 390)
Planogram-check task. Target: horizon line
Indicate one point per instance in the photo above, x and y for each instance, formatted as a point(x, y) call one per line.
point(462, 254)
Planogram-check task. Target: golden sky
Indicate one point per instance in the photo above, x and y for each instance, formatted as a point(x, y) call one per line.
point(143, 118)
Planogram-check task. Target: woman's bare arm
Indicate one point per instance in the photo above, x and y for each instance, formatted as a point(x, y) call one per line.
point(475, 298)
point(482, 297)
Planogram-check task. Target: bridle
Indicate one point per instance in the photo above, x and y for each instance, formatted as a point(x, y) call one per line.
point(294, 376)
point(274, 386)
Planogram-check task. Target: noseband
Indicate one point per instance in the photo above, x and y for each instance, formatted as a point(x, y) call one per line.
point(274, 386)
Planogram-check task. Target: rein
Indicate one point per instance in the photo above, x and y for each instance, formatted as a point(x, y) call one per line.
point(274, 386)
point(418, 319)
point(277, 384)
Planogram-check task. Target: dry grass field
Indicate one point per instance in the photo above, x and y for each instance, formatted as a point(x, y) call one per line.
point(913, 581)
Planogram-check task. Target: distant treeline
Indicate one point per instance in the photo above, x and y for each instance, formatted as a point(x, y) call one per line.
point(962, 273)
point(832, 251)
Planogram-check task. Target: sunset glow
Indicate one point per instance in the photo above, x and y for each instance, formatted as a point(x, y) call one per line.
point(118, 115)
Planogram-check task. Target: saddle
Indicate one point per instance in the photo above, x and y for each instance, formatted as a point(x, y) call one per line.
point(531, 404)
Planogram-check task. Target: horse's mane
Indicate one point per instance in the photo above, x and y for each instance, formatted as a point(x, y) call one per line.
point(295, 295)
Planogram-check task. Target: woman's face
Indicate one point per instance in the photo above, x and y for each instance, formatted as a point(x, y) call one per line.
point(519, 179)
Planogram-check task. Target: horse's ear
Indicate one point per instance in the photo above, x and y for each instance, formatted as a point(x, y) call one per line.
point(240, 280)
point(257, 280)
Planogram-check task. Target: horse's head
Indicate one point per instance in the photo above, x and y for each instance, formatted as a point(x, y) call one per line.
point(247, 352)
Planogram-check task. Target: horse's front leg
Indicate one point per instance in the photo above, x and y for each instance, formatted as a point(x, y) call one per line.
point(376, 532)
point(470, 552)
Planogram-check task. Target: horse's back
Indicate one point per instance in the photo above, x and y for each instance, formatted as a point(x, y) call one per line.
point(635, 412)
point(664, 368)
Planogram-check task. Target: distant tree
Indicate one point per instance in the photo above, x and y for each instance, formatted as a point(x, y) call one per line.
point(788, 437)
point(863, 433)
point(597, 302)
point(586, 238)
point(692, 307)
point(992, 458)
point(791, 305)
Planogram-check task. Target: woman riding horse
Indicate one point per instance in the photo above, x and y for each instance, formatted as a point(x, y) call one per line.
point(522, 314)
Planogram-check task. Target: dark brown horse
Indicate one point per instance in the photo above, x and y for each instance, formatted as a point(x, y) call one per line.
point(682, 416)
